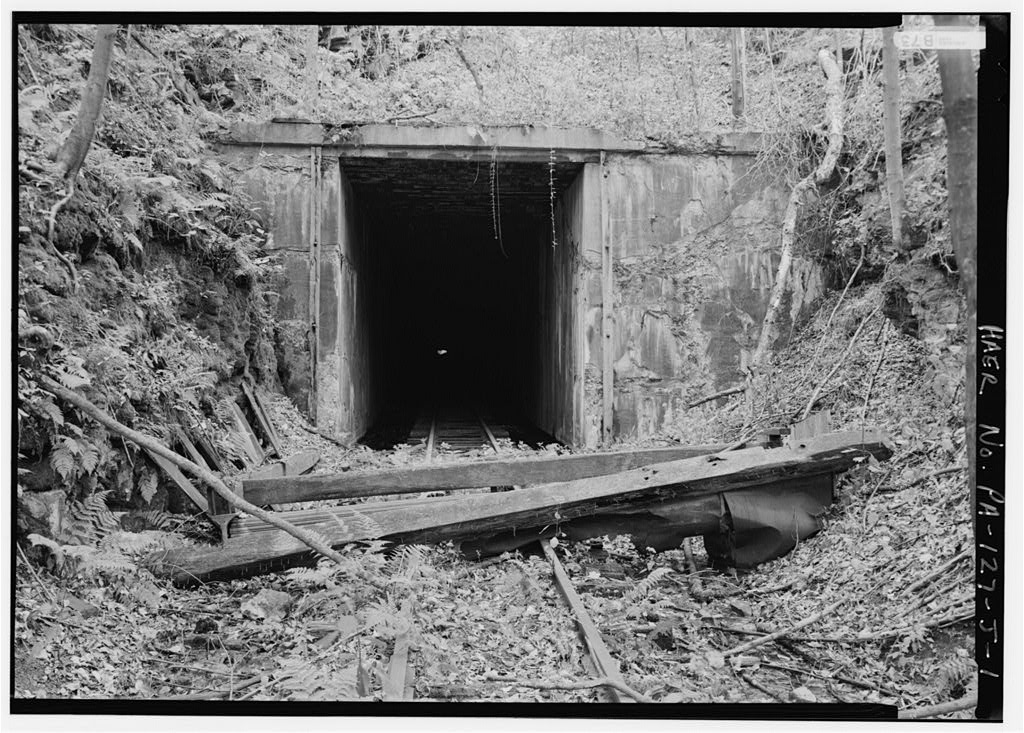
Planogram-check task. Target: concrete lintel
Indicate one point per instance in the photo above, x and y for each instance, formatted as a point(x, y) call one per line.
point(466, 142)
point(412, 138)
point(515, 155)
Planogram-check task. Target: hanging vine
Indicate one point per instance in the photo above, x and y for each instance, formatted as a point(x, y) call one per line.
point(551, 195)
point(496, 201)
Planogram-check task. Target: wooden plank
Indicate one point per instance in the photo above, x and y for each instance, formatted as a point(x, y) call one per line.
point(395, 682)
point(463, 475)
point(430, 439)
point(409, 692)
point(597, 651)
point(489, 513)
point(295, 465)
point(180, 480)
point(252, 445)
point(190, 448)
point(607, 317)
point(212, 454)
point(814, 424)
point(262, 420)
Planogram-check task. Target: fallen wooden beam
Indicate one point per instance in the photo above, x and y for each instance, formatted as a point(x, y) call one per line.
point(262, 419)
point(246, 438)
point(295, 465)
point(601, 659)
point(537, 506)
point(180, 480)
point(463, 475)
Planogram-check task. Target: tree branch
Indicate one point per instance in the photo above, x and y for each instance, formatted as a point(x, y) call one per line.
point(585, 685)
point(834, 113)
point(469, 66)
point(839, 363)
point(941, 709)
point(204, 474)
point(716, 395)
point(747, 646)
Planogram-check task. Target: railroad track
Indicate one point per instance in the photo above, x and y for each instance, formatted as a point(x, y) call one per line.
point(460, 428)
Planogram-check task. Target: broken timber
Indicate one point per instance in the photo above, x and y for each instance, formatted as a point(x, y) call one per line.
point(446, 477)
point(482, 514)
point(601, 660)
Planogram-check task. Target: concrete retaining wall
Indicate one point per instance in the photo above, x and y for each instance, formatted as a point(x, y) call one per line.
point(695, 242)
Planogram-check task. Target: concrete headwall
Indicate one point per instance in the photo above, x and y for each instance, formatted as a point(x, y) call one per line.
point(344, 391)
point(694, 240)
point(277, 179)
point(695, 246)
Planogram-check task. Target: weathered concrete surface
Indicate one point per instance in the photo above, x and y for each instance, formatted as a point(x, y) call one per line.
point(557, 402)
point(344, 389)
point(279, 185)
point(694, 239)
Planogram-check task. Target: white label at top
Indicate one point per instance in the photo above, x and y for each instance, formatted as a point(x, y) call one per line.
point(944, 39)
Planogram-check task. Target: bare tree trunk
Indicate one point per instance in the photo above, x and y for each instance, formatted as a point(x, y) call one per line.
point(72, 152)
point(310, 98)
point(688, 42)
point(893, 142)
point(834, 114)
point(960, 111)
point(739, 72)
point(457, 45)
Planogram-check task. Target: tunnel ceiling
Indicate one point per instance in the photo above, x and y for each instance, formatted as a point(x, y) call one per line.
point(441, 187)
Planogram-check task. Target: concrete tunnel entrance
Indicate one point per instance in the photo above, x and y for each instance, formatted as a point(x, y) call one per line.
point(459, 300)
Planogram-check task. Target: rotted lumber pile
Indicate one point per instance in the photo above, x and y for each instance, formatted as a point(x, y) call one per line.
point(720, 495)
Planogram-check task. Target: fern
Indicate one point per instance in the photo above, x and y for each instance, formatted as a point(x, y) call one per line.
point(356, 522)
point(147, 485)
point(384, 617)
point(50, 410)
point(62, 461)
point(69, 560)
point(138, 543)
point(304, 680)
point(322, 575)
point(406, 562)
point(955, 675)
point(90, 520)
point(645, 586)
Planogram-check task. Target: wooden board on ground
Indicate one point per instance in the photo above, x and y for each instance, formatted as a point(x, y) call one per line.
point(482, 514)
point(395, 682)
point(180, 480)
point(814, 424)
point(600, 657)
point(190, 449)
point(295, 465)
point(464, 475)
point(246, 437)
point(262, 419)
point(213, 456)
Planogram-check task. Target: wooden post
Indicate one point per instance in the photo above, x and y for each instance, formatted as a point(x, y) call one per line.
point(607, 317)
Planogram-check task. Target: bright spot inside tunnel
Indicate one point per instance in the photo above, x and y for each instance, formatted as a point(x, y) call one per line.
point(469, 289)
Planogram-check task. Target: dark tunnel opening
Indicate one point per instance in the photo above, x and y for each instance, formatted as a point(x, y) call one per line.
point(465, 295)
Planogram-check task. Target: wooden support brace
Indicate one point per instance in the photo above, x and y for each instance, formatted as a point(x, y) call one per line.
point(263, 420)
point(180, 480)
